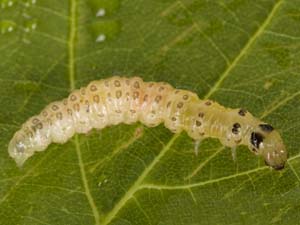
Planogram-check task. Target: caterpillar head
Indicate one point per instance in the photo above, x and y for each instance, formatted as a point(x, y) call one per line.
point(266, 141)
point(18, 148)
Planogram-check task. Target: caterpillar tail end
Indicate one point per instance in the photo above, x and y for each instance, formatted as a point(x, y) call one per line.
point(19, 152)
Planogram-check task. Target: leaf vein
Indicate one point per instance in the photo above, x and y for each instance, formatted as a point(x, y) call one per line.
point(85, 182)
point(203, 183)
point(136, 186)
point(244, 50)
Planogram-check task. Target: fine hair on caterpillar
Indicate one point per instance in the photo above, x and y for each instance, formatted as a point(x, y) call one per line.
point(128, 100)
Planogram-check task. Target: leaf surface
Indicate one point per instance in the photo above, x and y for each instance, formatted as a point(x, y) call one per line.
point(240, 53)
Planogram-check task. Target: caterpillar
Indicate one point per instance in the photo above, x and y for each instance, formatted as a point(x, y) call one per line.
point(128, 100)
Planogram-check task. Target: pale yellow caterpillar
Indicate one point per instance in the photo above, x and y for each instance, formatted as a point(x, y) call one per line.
point(128, 100)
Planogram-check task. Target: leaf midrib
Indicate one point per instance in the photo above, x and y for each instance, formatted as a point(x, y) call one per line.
point(109, 217)
point(71, 71)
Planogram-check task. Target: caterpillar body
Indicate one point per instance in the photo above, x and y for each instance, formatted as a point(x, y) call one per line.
point(128, 100)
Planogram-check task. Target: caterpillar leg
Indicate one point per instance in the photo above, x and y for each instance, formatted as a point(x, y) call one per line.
point(233, 153)
point(196, 146)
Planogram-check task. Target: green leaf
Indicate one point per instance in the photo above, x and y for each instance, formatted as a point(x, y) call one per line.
point(240, 53)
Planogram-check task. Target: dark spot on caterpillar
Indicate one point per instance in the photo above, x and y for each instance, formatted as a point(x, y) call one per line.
point(30, 134)
point(55, 107)
point(101, 115)
point(161, 89)
point(117, 83)
point(136, 84)
point(185, 97)
point(135, 95)
point(119, 94)
point(266, 127)
point(82, 91)
point(65, 101)
point(145, 98)
point(169, 103)
point(59, 115)
point(32, 128)
point(49, 121)
point(201, 133)
point(158, 98)
point(73, 98)
point(39, 126)
point(177, 91)
point(133, 111)
point(44, 113)
point(76, 107)
point(256, 139)
point(118, 111)
point(173, 118)
point(238, 141)
point(96, 98)
point(242, 112)
point(236, 128)
point(93, 88)
point(208, 103)
point(35, 121)
point(179, 105)
point(198, 123)
point(69, 111)
point(254, 149)
point(201, 114)
point(151, 85)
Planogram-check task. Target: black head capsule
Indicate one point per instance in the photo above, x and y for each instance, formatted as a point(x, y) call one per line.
point(256, 139)
point(266, 127)
point(266, 141)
